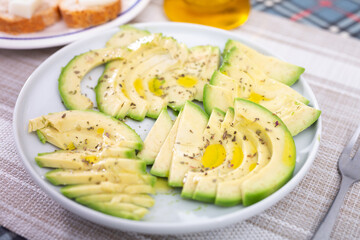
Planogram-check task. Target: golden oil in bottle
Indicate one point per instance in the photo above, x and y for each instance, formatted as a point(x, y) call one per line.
point(226, 14)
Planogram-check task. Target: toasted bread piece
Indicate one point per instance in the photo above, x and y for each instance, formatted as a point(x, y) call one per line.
point(45, 16)
point(76, 15)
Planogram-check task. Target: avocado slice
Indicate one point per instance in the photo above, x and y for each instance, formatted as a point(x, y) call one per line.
point(118, 104)
point(296, 115)
point(217, 97)
point(202, 191)
point(84, 129)
point(122, 210)
point(158, 72)
point(274, 68)
point(148, 61)
point(72, 74)
point(68, 177)
point(210, 135)
point(111, 98)
point(74, 191)
point(238, 65)
point(74, 159)
point(141, 200)
point(285, 106)
point(201, 63)
point(281, 164)
point(156, 137)
point(241, 88)
point(236, 165)
point(188, 143)
point(125, 36)
point(162, 163)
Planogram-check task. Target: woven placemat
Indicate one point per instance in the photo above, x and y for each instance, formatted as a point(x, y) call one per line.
point(332, 69)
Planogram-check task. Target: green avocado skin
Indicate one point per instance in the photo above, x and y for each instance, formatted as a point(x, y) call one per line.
point(252, 198)
point(175, 184)
point(227, 202)
point(186, 195)
point(209, 103)
point(49, 176)
point(204, 197)
point(68, 191)
point(62, 82)
point(41, 136)
point(159, 174)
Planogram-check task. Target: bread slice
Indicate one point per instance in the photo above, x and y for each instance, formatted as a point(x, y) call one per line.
point(46, 15)
point(76, 15)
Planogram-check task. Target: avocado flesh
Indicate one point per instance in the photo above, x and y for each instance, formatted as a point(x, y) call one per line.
point(257, 156)
point(274, 68)
point(141, 200)
point(237, 65)
point(287, 108)
point(200, 57)
point(211, 134)
point(187, 149)
point(207, 182)
point(162, 163)
point(146, 62)
point(154, 60)
point(296, 115)
point(68, 177)
point(74, 159)
point(74, 191)
point(122, 210)
point(125, 36)
point(155, 57)
point(203, 188)
point(72, 74)
point(273, 175)
point(217, 97)
point(84, 129)
point(156, 137)
point(108, 102)
point(118, 104)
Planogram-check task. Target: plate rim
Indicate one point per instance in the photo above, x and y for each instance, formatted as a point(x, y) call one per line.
point(166, 228)
point(66, 38)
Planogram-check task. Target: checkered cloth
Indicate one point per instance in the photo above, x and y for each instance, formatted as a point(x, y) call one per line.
point(337, 16)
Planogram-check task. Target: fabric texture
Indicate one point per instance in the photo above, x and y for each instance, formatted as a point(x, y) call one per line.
point(337, 16)
point(332, 70)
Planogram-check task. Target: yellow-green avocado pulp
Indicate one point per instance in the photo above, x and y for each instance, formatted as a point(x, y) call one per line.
point(97, 162)
point(259, 159)
point(143, 74)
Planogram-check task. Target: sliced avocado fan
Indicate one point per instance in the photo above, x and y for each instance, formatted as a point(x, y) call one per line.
point(90, 130)
point(274, 68)
point(242, 156)
point(250, 156)
point(98, 162)
point(231, 82)
point(158, 72)
point(144, 73)
point(183, 145)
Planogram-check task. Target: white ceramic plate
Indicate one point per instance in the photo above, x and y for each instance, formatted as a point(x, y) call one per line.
point(59, 34)
point(171, 214)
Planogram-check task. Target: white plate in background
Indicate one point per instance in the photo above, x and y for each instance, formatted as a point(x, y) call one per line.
point(59, 34)
point(171, 214)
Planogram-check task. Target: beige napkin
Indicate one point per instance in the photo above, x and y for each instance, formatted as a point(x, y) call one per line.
point(332, 69)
